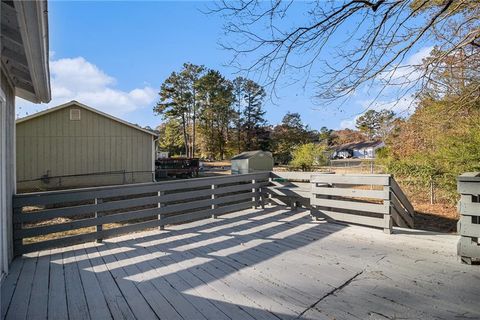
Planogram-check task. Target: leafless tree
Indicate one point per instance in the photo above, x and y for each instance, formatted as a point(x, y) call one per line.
point(344, 45)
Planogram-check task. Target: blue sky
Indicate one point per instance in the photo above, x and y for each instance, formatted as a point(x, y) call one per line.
point(114, 56)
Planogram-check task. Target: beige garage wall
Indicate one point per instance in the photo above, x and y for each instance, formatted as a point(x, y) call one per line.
point(55, 144)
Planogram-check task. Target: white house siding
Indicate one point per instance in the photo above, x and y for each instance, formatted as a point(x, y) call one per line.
point(7, 170)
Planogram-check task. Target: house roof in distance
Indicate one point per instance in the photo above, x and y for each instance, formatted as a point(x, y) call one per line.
point(359, 145)
point(75, 103)
point(250, 154)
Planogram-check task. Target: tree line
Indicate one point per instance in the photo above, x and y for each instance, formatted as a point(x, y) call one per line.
point(209, 116)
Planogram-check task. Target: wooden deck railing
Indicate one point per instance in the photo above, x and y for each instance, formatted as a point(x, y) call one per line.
point(373, 200)
point(45, 220)
point(61, 218)
point(468, 227)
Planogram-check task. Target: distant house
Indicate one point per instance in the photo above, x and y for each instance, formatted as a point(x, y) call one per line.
point(24, 73)
point(359, 150)
point(252, 161)
point(75, 145)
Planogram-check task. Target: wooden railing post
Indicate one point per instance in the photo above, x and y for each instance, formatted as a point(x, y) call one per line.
point(17, 243)
point(98, 214)
point(160, 205)
point(270, 181)
point(254, 198)
point(214, 206)
point(468, 227)
point(387, 217)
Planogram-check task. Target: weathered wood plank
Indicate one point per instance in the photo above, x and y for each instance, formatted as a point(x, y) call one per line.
point(397, 218)
point(9, 284)
point(468, 228)
point(202, 289)
point(351, 218)
point(95, 299)
point(136, 300)
point(293, 176)
point(168, 278)
point(121, 204)
point(43, 198)
point(76, 239)
point(352, 193)
point(37, 308)
point(57, 297)
point(21, 297)
point(352, 179)
point(350, 205)
point(402, 197)
point(146, 285)
point(116, 302)
point(402, 212)
point(169, 303)
point(76, 301)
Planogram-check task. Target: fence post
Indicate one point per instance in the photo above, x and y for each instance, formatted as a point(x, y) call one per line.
point(99, 227)
point(387, 217)
point(468, 227)
point(254, 198)
point(432, 191)
point(214, 206)
point(17, 243)
point(262, 197)
point(160, 205)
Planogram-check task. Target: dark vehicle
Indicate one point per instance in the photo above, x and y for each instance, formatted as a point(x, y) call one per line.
point(176, 167)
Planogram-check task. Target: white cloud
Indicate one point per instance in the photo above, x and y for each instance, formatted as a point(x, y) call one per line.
point(402, 104)
point(402, 107)
point(407, 71)
point(348, 124)
point(78, 79)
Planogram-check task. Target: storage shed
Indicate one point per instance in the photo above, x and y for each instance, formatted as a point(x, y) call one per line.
point(74, 145)
point(252, 161)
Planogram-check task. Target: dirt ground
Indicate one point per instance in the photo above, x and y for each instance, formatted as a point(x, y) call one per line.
point(437, 217)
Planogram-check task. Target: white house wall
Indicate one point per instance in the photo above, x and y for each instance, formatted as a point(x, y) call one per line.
point(7, 171)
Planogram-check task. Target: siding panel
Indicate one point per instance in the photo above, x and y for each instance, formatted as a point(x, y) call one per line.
point(92, 145)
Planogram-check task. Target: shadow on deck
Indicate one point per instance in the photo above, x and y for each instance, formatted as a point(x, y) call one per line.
point(253, 264)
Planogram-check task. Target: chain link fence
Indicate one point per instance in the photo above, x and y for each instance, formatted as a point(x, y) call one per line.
point(73, 181)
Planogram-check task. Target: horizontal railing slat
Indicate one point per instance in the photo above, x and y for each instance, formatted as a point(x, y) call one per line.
point(80, 238)
point(120, 204)
point(352, 179)
point(52, 197)
point(353, 218)
point(351, 205)
point(185, 200)
point(206, 213)
point(120, 217)
point(347, 192)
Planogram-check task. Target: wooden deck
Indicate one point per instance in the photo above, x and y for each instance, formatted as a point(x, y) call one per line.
point(253, 264)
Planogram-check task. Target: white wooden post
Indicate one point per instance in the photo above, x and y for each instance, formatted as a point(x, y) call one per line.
point(387, 218)
point(99, 227)
point(214, 206)
point(262, 198)
point(254, 198)
point(270, 202)
point(160, 205)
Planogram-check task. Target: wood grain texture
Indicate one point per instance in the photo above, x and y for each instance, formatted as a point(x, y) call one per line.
point(253, 264)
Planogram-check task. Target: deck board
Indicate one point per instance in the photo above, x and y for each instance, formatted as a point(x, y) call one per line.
point(57, 297)
point(253, 264)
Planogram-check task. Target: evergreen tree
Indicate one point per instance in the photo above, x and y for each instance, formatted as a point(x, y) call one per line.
point(253, 113)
